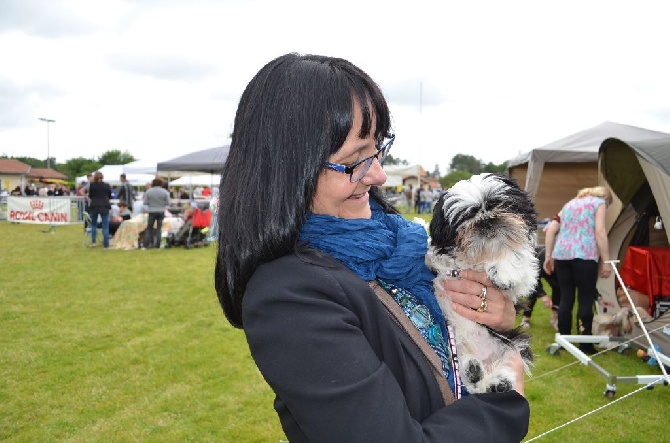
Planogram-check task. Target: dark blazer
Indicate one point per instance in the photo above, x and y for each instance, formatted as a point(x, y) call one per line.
point(344, 371)
point(99, 194)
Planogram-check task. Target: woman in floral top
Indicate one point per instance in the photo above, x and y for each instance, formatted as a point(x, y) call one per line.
point(580, 242)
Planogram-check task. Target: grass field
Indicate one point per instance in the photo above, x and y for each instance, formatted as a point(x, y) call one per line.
point(123, 346)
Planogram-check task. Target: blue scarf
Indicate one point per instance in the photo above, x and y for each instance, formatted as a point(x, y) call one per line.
point(385, 246)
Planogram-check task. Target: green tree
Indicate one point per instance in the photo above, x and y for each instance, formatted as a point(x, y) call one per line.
point(115, 157)
point(491, 167)
point(76, 167)
point(391, 160)
point(450, 179)
point(462, 162)
point(436, 171)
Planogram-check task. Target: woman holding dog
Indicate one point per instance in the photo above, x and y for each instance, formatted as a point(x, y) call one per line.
point(330, 284)
point(575, 241)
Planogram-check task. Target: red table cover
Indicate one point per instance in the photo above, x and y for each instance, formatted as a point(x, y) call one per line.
point(647, 269)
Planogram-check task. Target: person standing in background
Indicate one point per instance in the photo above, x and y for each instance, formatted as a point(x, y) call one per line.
point(213, 233)
point(84, 204)
point(99, 194)
point(417, 200)
point(426, 200)
point(156, 201)
point(580, 241)
point(126, 192)
point(409, 198)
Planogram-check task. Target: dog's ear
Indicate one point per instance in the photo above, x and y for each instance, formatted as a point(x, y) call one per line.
point(442, 233)
point(519, 201)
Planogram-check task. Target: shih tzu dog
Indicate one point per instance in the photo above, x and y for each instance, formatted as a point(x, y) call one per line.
point(486, 223)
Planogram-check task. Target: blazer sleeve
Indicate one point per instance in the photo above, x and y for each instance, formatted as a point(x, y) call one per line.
point(309, 344)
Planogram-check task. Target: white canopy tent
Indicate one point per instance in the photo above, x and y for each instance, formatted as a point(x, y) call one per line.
point(210, 180)
point(112, 175)
point(140, 167)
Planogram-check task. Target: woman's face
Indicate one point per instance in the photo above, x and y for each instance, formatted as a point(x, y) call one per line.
point(335, 194)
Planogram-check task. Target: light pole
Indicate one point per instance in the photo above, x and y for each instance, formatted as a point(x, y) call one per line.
point(48, 157)
point(51, 229)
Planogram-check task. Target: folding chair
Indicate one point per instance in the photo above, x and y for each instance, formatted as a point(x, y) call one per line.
point(87, 225)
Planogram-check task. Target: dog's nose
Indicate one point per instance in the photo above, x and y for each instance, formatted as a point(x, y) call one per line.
point(486, 225)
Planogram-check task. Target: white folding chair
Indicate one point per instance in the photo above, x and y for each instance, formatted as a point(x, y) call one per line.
point(87, 234)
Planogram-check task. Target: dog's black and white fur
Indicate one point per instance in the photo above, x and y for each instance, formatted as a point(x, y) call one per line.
point(486, 223)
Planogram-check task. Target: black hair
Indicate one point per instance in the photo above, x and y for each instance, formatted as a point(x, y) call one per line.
point(293, 115)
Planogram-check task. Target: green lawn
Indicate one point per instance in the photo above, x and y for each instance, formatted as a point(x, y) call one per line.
point(125, 346)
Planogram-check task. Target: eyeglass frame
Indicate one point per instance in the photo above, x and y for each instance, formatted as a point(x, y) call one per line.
point(385, 148)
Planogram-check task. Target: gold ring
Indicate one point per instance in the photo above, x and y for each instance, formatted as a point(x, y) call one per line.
point(483, 294)
point(483, 306)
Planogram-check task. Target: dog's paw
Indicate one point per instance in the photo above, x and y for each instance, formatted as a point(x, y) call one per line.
point(473, 372)
point(503, 385)
point(501, 379)
point(497, 279)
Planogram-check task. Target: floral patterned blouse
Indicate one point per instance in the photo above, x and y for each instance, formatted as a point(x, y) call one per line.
point(577, 236)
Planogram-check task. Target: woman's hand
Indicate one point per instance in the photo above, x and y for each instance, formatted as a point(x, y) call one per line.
point(467, 295)
point(548, 265)
point(605, 270)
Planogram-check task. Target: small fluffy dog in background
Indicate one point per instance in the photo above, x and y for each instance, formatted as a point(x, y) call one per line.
point(486, 223)
point(613, 325)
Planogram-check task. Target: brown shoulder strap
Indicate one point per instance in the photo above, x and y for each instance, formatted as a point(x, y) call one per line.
point(397, 314)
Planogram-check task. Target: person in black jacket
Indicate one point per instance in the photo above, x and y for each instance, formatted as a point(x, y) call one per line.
point(99, 194)
point(329, 282)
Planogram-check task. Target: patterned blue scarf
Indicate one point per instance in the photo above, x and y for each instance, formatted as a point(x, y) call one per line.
point(386, 246)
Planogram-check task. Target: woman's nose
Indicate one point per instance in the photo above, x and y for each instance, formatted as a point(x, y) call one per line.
point(375, 175)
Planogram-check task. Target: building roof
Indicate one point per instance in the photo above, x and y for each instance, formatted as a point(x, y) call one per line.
point(46, 173)
point(12, 166)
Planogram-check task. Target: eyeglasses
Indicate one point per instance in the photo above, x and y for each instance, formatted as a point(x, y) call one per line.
point(358, 170)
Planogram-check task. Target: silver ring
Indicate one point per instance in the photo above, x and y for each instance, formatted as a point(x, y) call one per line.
point(483, 294)
point(483, 306)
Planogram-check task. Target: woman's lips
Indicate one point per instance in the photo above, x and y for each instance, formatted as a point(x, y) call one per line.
point(359, 196)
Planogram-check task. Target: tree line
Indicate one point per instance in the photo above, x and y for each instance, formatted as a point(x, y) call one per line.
point(76, 167)
point(461, 167)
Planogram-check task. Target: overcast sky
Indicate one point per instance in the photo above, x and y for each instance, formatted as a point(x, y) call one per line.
point(492, 79)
